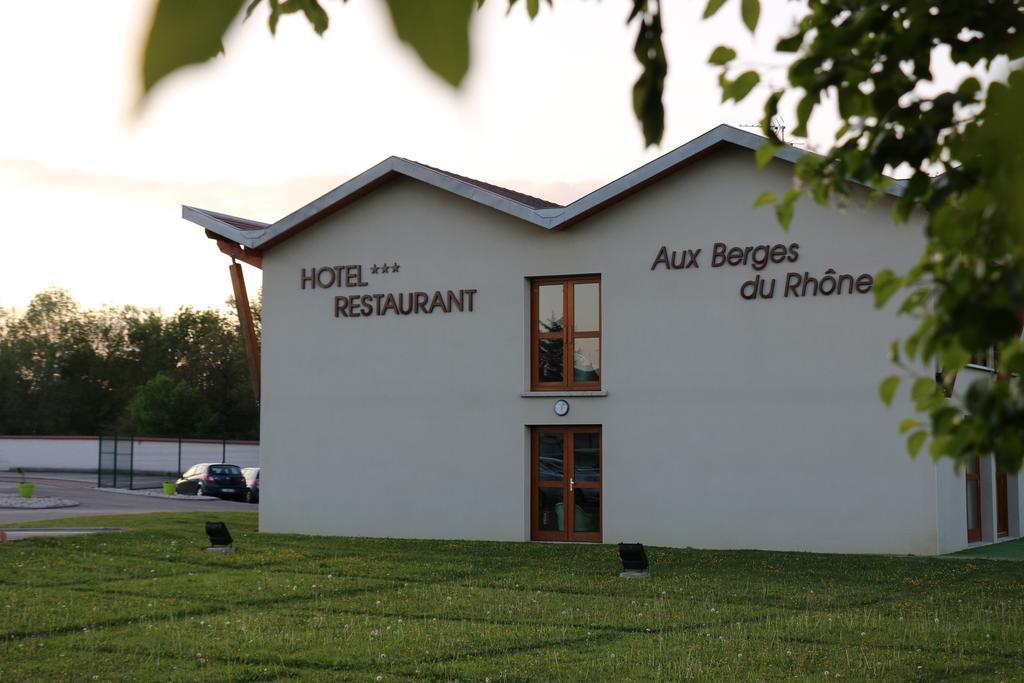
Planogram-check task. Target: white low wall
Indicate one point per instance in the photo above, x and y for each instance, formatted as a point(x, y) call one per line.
point(81, 453)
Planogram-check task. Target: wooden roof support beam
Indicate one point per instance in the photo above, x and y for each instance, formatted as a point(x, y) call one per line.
point(248, 329)
point(236, 251)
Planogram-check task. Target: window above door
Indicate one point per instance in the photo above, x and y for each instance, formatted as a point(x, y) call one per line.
point(565, 333)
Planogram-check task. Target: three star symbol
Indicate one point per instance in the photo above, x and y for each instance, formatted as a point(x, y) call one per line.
point(385, 268)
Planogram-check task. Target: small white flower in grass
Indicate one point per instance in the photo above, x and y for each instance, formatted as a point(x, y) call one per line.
point(862, 633)
point(379, 677)
point(936, 620)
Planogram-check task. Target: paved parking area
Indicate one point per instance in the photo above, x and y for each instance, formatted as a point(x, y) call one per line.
point(95, 501)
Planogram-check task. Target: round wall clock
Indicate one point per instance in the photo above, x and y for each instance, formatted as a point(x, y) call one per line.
point(561, 407)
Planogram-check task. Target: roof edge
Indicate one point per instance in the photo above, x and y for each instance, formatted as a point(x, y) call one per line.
point(264, 235)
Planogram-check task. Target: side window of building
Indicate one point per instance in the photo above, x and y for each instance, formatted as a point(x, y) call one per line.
point(565, 338)
point(987, 359)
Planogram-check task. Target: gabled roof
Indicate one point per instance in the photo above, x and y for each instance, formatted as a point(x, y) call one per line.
point(258, 236)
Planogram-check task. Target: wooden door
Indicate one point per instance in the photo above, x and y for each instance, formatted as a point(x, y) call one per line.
point(566, 474)
point(973, 478)
point(1002, 506)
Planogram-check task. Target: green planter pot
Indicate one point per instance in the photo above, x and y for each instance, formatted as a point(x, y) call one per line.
point(26, 490)
point(168, 488)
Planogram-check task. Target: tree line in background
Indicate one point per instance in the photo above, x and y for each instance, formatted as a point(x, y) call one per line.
point(69, 371)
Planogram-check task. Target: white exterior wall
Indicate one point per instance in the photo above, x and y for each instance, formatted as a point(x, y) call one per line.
point(952, 511)
point(81, 454)
point(49, 453)
point(727, 423)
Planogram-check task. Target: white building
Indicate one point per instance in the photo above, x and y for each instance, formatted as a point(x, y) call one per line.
point(424, 332)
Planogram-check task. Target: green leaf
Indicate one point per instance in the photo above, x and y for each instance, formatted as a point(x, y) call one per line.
point(888, 388)
point(316, 15)
point(790, 43)
point(922, 389)
point(751, 12)
point(907, 424)
point(915, 441)
point(765, 198)
point(765, 153)
point(803, 114)
point(185, 32)
point(738, 89)
point(886, 284)
point(722, 55)
point(647, 91)
point(311, 8)
point(784, 209)
point(712, 8)
point(939, 446)
point(532, 7)
point(438, 32)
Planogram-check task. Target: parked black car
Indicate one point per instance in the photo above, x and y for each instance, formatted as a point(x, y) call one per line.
point(213, 479)
point(252, 481)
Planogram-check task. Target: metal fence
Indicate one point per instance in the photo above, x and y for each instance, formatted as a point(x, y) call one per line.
point(137, 462)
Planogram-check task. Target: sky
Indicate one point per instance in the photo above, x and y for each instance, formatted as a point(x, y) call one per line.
point(91, 186)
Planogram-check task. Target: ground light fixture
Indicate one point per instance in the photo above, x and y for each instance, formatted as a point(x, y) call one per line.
point(220, 537)
point(634, 560)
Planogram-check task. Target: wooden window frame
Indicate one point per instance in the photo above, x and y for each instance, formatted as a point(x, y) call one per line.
point(568, 335)
point(568, 502)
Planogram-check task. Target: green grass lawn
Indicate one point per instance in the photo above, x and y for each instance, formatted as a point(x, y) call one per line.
point(149, 604)
point(1007, 550)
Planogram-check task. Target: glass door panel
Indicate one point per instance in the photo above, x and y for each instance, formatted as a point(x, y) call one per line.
point(550, 510)
point(587, 510)
point(551, 457)
point(566, 484)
